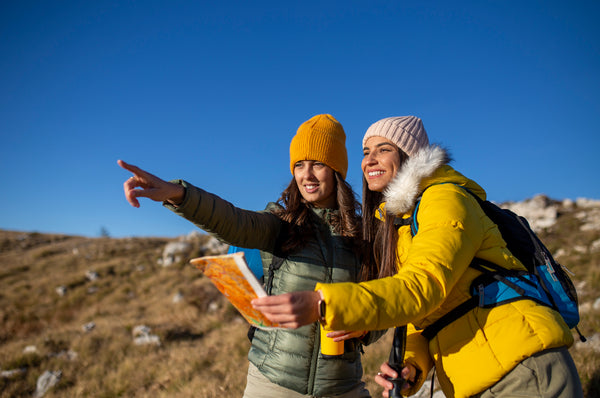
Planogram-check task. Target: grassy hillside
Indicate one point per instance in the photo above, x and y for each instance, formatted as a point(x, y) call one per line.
point(72, 304)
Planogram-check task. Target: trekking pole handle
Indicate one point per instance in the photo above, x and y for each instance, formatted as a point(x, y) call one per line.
point(398, 382)
point(396, 360)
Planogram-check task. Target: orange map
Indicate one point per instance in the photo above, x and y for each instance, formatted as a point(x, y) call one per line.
point(232, 276)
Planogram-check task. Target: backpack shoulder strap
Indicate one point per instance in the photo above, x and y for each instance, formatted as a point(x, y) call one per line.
point(414, 225)
point(276, 261)
point(430, 331)
point(274, 266)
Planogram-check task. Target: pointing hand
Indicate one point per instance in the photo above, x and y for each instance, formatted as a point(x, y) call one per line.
point(151, 186)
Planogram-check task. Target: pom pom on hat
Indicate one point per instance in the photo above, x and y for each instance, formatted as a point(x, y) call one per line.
point(321, 138)
point(407, 132)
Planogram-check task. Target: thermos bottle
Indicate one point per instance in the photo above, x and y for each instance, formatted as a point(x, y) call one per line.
point(328, 346)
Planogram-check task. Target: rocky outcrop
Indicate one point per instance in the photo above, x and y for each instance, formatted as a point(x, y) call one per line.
point(543, 212)
point(195, 242)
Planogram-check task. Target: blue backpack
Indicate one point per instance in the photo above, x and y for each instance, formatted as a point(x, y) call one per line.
point(256, 266)
point(545, 280)
point(252, 258)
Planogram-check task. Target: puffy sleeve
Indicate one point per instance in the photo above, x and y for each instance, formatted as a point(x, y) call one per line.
point(230, 224)
point(431, 264)
point(417, 354)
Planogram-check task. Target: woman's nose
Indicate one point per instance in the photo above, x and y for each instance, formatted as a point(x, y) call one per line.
point(310, 175)
point(307, 173)
point(370, 158)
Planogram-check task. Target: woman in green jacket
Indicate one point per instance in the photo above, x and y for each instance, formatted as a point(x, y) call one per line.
point(315, 228)
point(514, 349)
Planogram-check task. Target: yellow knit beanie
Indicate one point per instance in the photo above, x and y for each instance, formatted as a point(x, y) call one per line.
point(320, 138)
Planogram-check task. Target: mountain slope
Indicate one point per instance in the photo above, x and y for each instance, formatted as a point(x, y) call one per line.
point(112, 319)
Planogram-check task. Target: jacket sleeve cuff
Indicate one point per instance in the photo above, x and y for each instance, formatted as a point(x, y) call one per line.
point(187, 198)
point(417, 354)
point(333, 317)
point(323, 318)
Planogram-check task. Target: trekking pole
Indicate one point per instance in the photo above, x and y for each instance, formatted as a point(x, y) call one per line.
point(397, 360)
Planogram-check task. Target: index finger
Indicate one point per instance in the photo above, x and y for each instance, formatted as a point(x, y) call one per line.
point(337, 333)
point(382, 380)
point(129, 167)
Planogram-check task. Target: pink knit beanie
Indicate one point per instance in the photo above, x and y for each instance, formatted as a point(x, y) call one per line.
point(407, 132)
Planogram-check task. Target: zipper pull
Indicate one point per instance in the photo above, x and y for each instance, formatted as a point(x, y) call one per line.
point(550, 268)
point(568, 271)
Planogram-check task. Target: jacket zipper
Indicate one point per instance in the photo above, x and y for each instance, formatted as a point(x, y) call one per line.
point(317, 332)
point(313, 366)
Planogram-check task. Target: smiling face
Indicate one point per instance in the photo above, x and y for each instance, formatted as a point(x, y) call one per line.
point(316, 183)
point(381, 161)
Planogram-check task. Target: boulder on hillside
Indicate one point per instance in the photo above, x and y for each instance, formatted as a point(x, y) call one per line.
point(195, 242)
point(175, 252)
point(46, 381)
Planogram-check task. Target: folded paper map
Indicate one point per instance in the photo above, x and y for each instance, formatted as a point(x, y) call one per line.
point(232, 276)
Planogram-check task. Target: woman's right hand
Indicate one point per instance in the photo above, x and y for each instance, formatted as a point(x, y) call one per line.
point(408, 373)
point(290, 310)
point(151, 186)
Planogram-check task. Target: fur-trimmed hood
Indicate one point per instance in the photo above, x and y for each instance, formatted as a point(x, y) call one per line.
point(426, 167)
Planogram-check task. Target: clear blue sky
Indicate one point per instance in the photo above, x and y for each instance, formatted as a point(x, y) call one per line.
point(212, 92)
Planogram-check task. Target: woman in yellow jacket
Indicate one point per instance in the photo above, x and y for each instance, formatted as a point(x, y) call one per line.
point(514, 349)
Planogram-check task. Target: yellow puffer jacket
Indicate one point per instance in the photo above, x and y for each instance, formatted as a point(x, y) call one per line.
point(474, 352)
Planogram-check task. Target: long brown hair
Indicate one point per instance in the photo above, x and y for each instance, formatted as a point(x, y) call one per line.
point(382, 237)
point(295, 211)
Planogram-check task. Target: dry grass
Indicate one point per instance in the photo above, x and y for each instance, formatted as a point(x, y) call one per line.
point(202, 351)
point(585, 264)
point(203, 340)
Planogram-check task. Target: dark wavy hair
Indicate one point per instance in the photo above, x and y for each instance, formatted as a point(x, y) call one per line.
point(295, 211)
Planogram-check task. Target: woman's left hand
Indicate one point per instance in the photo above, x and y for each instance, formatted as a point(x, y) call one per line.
point(290, 310)
point(341, 335)
point(408, 373)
